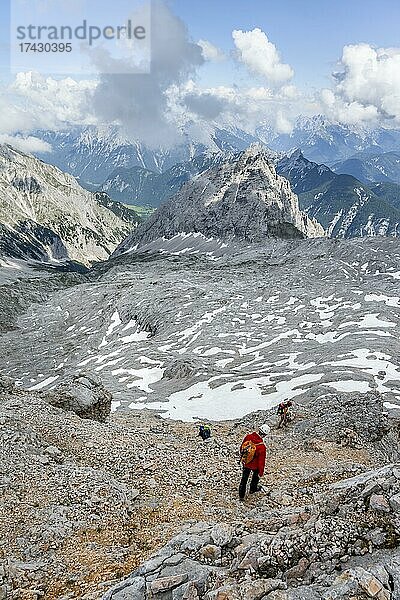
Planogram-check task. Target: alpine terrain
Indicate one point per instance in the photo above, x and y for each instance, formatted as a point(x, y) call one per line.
point(242, 199)
point(381, 168)
point(92, 154)
point(325, 141)
point(227, 301)
point(46, 215)
point(343, 205)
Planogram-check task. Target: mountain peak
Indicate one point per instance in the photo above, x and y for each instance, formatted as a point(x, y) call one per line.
point(244, 199)
point(259, 151)
point(296, 154)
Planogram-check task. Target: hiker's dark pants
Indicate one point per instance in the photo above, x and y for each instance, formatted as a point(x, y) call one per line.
point(253, 483)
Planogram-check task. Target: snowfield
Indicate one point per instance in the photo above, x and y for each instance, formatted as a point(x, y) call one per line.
point(189, 337)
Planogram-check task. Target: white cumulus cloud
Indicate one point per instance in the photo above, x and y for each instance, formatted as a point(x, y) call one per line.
point(366, 86)
point(28, 144)
point(211, 52)
point(54, 102)
point(261, 56)
point(33, 101)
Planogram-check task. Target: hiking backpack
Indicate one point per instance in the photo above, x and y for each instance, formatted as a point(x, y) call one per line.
point(247, 452)
point(207, 432)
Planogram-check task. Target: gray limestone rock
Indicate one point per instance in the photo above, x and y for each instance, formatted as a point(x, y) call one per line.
point(243, 200)
point(394, 502)
point(84, 395)
point(222, 534)
point(379, 503)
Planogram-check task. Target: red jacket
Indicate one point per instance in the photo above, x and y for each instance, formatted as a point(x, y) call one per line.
point(258, 462)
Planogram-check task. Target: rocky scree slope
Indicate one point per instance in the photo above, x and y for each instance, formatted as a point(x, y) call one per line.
point(266, 322)
point(85, 503)
point(25, 282)
point(45, 214)
point(244, 200)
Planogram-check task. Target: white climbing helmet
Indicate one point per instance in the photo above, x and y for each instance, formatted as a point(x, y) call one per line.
point(265, 429)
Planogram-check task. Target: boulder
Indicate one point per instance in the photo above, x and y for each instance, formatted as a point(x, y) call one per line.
point(86, 396)
point(128, 589)
point(222, 534)
point(259, 588)
point(167, 583)
point(379, 503)
point(6, 384)
point(183, 368)
point(394, 502)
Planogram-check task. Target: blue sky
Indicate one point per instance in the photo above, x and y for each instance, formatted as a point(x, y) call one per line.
point(310, 34)
point(265, 62)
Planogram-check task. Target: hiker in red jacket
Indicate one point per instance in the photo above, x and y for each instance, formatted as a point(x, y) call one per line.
point(253, 460)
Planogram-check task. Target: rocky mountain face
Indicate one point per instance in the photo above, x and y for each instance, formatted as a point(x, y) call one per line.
point(364, 209)
point(343, 205)
point(92, 154)
point(381, 168)
point(45, 215)
point(325, 525)
point(389, 192)
point(324, 141)
point(243, 199)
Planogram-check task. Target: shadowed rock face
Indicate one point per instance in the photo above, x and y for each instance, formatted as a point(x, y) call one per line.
point(243, 199)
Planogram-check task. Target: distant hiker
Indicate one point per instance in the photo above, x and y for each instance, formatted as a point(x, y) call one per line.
point(252, 457)
point(284, 413)
point(204, 432)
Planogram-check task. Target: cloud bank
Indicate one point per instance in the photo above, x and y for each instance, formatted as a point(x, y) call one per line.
point(366, 86)
point(140, 102)
point(29, 144)
point(155, 108)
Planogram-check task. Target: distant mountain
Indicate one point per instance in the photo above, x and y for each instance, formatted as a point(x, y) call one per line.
point(95, 154)
point(304, 175)
point(92, 154)
point(381, 168)
point(45, 215)
point(241, 199)
point(323, 141)
point(343, 205)
point(389, 192)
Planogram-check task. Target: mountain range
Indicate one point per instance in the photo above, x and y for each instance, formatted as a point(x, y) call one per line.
point(140, 186)
point(45, 214)
point(324, 141)
point(343, 205)
point(92, 154)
